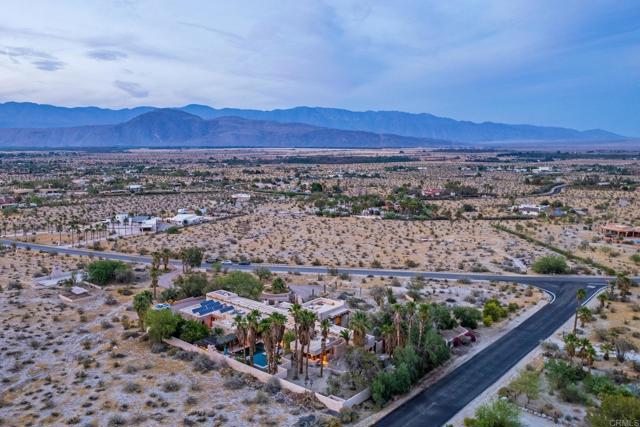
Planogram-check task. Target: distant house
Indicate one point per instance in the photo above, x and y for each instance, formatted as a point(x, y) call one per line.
point(529, 210)
point(620, 230)
point(135, 188)
point(432, 192)
point(186, 219)
point(7, 201)
point(241, 197)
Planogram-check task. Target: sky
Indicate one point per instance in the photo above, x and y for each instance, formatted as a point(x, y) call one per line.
point(572, 63)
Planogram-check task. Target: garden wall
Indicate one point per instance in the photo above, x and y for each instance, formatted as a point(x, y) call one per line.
point(332, 402)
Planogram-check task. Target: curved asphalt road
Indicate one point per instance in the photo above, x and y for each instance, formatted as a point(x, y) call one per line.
point(441, 401)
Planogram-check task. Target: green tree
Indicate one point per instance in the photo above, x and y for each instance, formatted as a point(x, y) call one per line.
point(162, 324)
point(551, 264)
point(191, 258)
point(103, 272)
point(192, 331)
point(527, 383)
point(141, 304)
point(244, 284)
point(278, 286)
point(468, 316)
point(615, 410)
point(498, 413)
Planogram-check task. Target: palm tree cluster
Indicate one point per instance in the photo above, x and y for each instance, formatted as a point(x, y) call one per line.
point(252, 327)
point(304, 329)
point(580, 347)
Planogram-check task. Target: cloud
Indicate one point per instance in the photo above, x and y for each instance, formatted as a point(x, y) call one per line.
point(41, 60)
point(106, 55)
point(49, 64)
point(132, 88)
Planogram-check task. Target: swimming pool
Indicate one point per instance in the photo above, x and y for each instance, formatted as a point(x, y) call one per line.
point(260, 360)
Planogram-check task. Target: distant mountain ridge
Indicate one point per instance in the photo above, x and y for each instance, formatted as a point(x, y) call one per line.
point(29, 115)
point(176, 128)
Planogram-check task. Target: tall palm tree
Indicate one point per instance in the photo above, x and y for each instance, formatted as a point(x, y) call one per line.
point(253, 319)
point(154, 280)
point(424, 312)
point(308, 323)
point(240, 324)
point(411, 311)
point(397, 323)
point(324, 328)
point(295, 311)
point(359, 323)
point(581, 294)
point(570, 344)
point(277, 324)
point(166, 254)
point(141, 303)
point(264, 331)
point(387, 331)
point(590, 356)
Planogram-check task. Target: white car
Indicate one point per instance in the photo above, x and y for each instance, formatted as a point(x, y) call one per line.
point(227, 262)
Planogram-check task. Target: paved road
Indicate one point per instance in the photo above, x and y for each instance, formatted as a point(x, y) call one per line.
point(440, 402)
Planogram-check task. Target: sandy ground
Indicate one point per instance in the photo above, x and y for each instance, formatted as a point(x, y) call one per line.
point(77, 365)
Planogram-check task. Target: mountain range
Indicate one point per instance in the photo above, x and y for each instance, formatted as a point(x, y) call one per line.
point(31, 125)
point(176, 128)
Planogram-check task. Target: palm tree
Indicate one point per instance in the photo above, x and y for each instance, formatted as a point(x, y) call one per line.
point(253, 319)
point(387, 331)
point(602, 297)
point(344, 334)
point(240, 324)
point(624, 284)
point(295, 311)
point(264, 331)
point(359, 324)
point(141, 303)
point(581, 294)
point(424, 311)
point(411, 311)
point(606, 349)
point(397, 323)
point(278, 322)
point(324, 328)
point(584, 314)
point(308, 324)
point(154, 280)
point(570, 344)
point(584, 344)
point(166, 254)
point(590, 355)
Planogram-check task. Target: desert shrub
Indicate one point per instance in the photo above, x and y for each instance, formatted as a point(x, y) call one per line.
point(170, 387)
point(202, 363)
point(550, 264)
point(132, 387)
point(572, 393)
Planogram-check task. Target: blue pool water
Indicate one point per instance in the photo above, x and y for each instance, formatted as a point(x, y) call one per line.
point(260, 359)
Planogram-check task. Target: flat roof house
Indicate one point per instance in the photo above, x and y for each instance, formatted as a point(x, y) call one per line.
point(186, 219)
